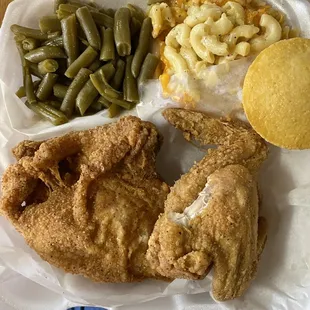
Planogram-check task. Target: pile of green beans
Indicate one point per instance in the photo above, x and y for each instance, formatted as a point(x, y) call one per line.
point(84, 59)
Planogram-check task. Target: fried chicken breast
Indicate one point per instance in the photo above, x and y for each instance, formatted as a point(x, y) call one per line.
point(87, 202)
point(211, 214)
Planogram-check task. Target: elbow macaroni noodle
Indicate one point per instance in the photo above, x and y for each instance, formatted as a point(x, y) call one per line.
point(211, 35)
point(212, 43)
point(272, 34)
point(162, 18)
point(195, 66)
point(242, 49)
point(179, 36)
point(176, 61)
point(221, 26)
point(235, 12)
point(246, 32)
point(199, 14)
point(196, 39)
point(190, 57)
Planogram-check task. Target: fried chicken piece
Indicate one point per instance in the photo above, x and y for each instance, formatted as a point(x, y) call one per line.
point(211, 214)
point(87, 202)
point(26, 148)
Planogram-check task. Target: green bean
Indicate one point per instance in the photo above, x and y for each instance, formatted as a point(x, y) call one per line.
point(81, 4)
point(46, 86)
point(104, 102)
point(21, 92)
point(41, 110)
point(108, 71)
point(97, 79)
point(27, 79)
point(150, 2)
point(60, 91)
point(130, 83)
point(19, 37)
point(21, 53)
point(68, 8)
point(30, 44)
point(51, 109)
point(122, 103)
point(62, 14)
point(95, 65)
point(143, 46)
point(103, 20)
point(114, 110)
point(48, 66)
point(135, 27)
point(77, 3)
point(29, 32)
point(54, 35)
point(118, 78)
point(90, 29)
point(81, 33)
point(86, 97)
point(54, 104)
point(58, 3)
point(77, 84)
point(70, 38)
point(45, 52)
point(122, 31)
point(49, 24)
point(100, 18)
point(29, 86)
point(110, 12)
point(108, 46)
point(100, 82)
point(34, 70)
point(83, 61)
point(84, 42)
point(148, 68)
point(58, 41)
point(136, 12)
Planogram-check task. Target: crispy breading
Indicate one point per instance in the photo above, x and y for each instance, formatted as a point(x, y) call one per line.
point(25, 148)
point(87, 202)
point(225, 233)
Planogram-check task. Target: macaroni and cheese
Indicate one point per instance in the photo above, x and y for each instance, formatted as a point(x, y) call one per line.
point(211, 33)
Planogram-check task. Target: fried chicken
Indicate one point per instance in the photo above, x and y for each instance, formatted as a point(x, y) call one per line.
point(87, 202)
point(211, 214)
point(92, 203)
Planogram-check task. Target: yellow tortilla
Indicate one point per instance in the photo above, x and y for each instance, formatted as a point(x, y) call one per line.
point(276, 94)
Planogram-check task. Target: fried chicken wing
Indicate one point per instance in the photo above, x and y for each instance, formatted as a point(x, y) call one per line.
point(211, 214)
point(87, 202)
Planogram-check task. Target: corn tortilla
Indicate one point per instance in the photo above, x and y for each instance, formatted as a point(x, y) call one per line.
point(276, 94)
